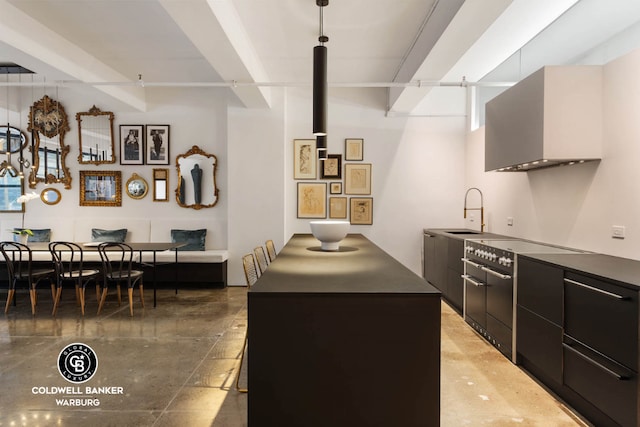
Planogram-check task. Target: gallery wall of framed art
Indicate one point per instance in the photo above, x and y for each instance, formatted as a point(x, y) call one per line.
point(342, 197)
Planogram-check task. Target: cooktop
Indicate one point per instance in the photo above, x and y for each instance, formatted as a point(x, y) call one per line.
point(523, 246)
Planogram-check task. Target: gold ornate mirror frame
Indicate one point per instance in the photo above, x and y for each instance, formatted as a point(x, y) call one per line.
point(198, 188)
point(47, 118)
point(95, 137)
point(136, 187)
point(50, 196)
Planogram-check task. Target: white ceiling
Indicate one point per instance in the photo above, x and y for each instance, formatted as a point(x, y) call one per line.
point(251, 45)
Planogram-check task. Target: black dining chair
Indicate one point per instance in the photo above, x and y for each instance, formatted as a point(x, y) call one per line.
point(19, 261)
point(117, 263)
point(68, 260)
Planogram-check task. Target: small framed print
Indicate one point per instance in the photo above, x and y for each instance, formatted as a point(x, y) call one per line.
point(158, 144)
point(312, 200)
point(354, 149)
point(361, 210)
point(131, 144)
point(338, 207)
point(357, 178)
point(331, 167)
point(335, 188)
point(305, 159)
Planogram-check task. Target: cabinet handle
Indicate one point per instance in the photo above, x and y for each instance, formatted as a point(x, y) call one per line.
point(470, 280)
point(475, 264)
point(594, 363)
point(601, 291)
point(495, 273)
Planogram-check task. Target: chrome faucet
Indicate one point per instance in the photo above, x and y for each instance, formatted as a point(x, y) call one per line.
point(481, 208)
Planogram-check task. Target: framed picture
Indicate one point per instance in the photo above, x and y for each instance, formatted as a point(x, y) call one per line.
point(335, 188)
point(312, 200)
point(331, 167)
point(361, 210)
point(354, 149)
point(338, 207)
point(305, 159)
point(131, 144)
point(157, 144)
point(357, 178)
point(100, 188)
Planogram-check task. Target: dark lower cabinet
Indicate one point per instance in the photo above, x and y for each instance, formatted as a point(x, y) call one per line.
point(539, 320)
point(578, 334)
point(442, 267)
point(539, 346)
point(610, 387)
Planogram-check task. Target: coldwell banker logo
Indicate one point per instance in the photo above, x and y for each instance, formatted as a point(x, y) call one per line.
point(77, 363)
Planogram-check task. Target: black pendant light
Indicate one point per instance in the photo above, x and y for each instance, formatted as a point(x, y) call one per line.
point(321, 145)
point(320, 80)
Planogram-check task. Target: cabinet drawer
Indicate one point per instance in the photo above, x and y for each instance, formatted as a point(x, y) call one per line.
point(610, 387)
point(603, 316)
point(539, 342)
point(540, 288)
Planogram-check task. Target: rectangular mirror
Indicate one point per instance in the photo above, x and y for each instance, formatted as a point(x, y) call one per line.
point(95, 137)
point(11, 187)
point(161, 185)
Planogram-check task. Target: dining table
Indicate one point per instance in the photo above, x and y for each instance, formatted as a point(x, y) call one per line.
point(140, 247)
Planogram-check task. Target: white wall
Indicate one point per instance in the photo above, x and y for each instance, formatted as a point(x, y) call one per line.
point(417, 172)
point(196, 117)
point(575, 205)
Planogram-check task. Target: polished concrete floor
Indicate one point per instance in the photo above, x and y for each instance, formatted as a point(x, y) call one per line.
point(175, 365)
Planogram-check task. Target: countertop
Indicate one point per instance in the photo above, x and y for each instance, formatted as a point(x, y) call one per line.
point(461, 233)
point(624, 271)
point(358, 267)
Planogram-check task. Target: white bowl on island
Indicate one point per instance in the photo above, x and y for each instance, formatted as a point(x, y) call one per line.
point(330, 233)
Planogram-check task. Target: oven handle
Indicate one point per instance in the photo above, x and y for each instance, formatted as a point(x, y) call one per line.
point(470, 280)
point(468, 261)
point(495, 273)
point(591, 288)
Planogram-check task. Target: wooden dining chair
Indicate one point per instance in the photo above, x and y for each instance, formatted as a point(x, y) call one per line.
point(250, 270)
point(261, 259)
point(271, 250)
point(251, 275)
point(18, 258)
point(68, 260)
point(117, 263)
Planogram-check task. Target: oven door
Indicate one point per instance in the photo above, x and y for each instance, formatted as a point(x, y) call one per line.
point(500, 309)
point(475, 298)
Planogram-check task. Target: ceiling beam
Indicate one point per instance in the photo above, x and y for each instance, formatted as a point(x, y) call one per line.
point(215, 29)
point(48, 50)
point(450, 31)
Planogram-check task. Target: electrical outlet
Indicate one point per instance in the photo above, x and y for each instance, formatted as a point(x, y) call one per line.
point(510, 221)
point(617, 231)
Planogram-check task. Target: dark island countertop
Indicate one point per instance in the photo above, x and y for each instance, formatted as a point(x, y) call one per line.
point(358, 267)
point(624, 271)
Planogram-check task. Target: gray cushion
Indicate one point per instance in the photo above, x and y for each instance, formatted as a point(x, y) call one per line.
point(195, 239)
point(100, 235)
point(39, 235)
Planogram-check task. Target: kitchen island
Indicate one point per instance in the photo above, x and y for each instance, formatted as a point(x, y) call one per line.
point(346, 338)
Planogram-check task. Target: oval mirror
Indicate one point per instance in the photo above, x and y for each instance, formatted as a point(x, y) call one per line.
point(197, 187)
point(14, 141)
point(50, 196)
point(137, 187)
point(95, 136)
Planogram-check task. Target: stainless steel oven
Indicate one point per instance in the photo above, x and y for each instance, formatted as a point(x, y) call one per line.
point(490, 288)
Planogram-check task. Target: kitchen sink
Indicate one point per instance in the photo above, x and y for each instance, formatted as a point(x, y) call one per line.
point(463, 232)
